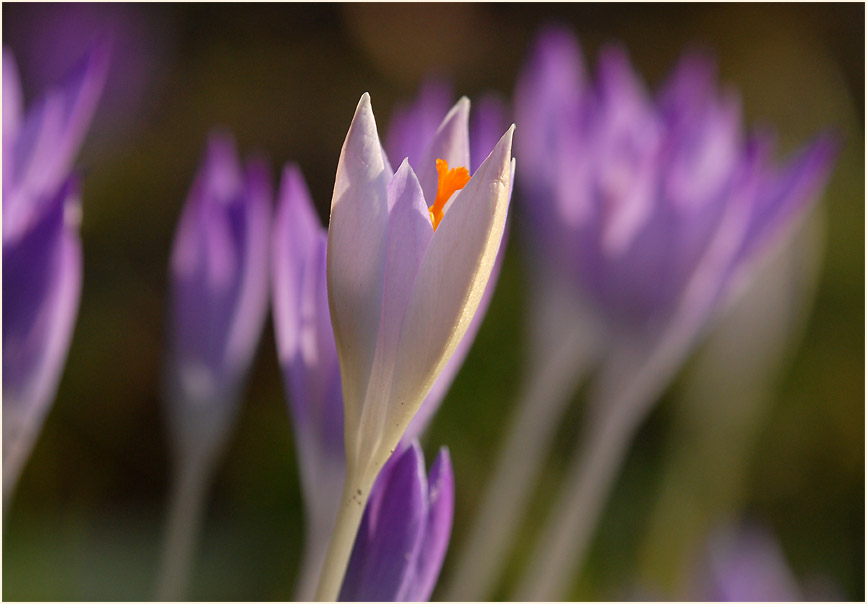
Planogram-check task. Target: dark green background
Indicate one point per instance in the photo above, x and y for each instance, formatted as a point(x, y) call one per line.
point(285, 79)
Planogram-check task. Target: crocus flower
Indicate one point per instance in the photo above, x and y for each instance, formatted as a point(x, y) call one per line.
point(405, 277)
point(649, 207)
point(403, 283)
point(404, 533)
point(650, 210)
point(306, 341)
point(42, 263)
point(219, 296)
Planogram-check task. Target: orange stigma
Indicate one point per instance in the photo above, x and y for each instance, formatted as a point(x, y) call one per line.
point(448, 182)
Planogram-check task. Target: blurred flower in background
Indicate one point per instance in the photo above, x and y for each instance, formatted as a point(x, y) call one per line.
point(42, 266)
point(48, 38)
point(745, 563)
point(641, 213)
point(219, 299)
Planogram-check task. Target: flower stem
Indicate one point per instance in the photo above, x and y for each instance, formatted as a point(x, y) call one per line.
point(186, 509)
point(531, 430)
point(352, 504)
point(629, 386)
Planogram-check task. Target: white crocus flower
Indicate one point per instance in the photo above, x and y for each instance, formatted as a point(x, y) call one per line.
point(404, 281)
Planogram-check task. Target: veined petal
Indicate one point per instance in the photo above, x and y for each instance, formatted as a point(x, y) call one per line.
point(451, 280)
point(356, 251)
point(438, 530)
point(451, 143)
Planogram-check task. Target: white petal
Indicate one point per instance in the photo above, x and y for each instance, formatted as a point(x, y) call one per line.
point(409, 233)
point(451, 143)
point(451, 280)
point(356, 248)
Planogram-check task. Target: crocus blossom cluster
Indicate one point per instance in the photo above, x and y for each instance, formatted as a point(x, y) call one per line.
point(219, 296)
point(306, 342)
point(649, 206)
point(41, 246)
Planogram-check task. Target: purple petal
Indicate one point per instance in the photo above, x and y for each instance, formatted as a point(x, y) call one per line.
point(219, 270)
point(487, 124)
point(438, 530)
point(785, 195)
point(550, 86)
point(412, 127)
point(42, 271)
point(391, 534)
point(50, 137)
point(450, 143)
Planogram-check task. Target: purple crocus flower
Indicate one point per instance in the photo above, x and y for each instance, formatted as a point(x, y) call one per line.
point(219, 295)
point(42, 263)
point(219, 298)
point(649, 206)
point(405, 531)
point(649, 211)
point(306, 341)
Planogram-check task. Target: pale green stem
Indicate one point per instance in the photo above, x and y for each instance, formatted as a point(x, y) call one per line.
point(356, 491)
point(533, 424)
point(626, 395)
point(186, 509)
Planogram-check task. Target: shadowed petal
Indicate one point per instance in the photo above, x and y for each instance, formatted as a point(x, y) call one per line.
point(451, 143)
point(356, 250)
point(409, 232)
point(453, 275)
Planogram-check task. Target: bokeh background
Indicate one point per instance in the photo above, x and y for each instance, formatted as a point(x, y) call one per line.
point(87, 520)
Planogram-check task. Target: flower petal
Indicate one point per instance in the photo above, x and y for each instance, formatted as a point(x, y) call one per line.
point(409, 233)
point(784, 195)
point(356, 250)
point(412, 127)
point(388, 541)
point(486, 122)
point(296, 233)
point(452, 279)
point(438, 530)
point(42, 281)
point(451, 143)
